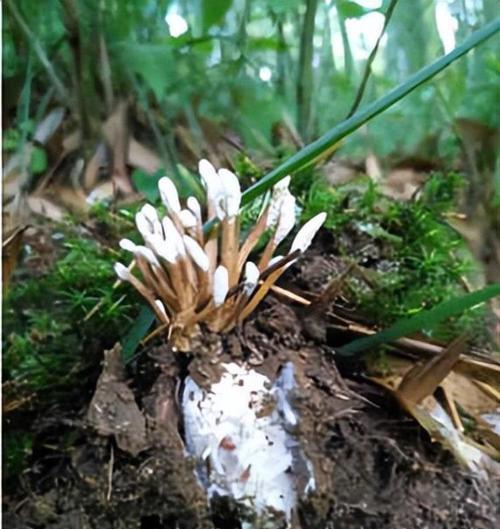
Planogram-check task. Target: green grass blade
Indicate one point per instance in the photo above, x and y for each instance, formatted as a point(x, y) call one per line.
point(137, 332)
point(423, 320)
point(312, 151)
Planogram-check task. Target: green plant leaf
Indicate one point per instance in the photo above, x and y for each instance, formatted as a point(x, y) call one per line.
point(426, 319)
point(38, 162)
point(153, 62)
point(348, 9)
point(147, 183)
point(136, 333)
point(187, 184)
point(311, 152)
point(214, 12)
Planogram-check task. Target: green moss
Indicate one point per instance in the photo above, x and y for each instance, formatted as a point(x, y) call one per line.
point(45, 331)
point(413, 257)
point(16, 451)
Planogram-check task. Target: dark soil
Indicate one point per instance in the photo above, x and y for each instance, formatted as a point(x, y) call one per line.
point(375, 467)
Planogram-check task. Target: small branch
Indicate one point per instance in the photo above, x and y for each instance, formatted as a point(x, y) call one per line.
point(369, 62)
point(40, 53)
point(106, 75)
point(280, 59)
point(348, 59)
point(71, 21)
point(305, 73)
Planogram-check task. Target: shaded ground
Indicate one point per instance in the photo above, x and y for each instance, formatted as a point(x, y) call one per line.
point(378, 469)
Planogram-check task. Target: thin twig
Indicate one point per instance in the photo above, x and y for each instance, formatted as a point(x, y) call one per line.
point(105, 67)
point(369, 62)
point(305, 79)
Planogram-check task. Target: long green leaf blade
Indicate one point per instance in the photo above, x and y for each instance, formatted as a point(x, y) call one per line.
point(136, 333)
point(312, 151)
point(423, 320)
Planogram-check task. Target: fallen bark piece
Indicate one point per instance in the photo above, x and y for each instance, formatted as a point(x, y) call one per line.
point(113, 409)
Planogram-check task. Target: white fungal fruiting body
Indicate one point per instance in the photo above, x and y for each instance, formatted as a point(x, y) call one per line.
point(169, 195)
point(306, 234)
point(286, 220)
point(127, 245)
point(232, 192)
point(221, 285)
point(172, 236)
point(280, 192)
point(242, 428)
point(194, 207)
point(251, 277)
point(213, 186)
point(187, 219)
point(122, 271)
point(196, 252)
point(177, 248)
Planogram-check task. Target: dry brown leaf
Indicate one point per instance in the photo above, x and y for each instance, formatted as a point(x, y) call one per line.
point(461, 393)
point(101, 192)
point(402, 183)
point(49, 125)
point(422, 380)
point(113, 409)
point(116, 133)
point(46, 208)
point(93, 167)
point(141, 157)
point(72, 142)
point(372, 167)
point(74, 200)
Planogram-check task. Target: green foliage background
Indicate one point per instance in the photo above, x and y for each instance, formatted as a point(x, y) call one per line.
point(212, 70)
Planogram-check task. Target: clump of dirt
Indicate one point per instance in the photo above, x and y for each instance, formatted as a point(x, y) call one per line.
point(375, 468)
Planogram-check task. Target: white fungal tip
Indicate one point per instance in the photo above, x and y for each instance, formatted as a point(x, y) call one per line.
point(165, 249)
point(306, 234)
point(172, 236)
point(207, 172)
point(143, 225)
point(280, 192)
point(274, 260)
point(194, 207)
point(150, 213)
point(221, 285)
point(286, 220)
point(127, 245)
point(216, 194)
point(122, 271)
point(232, 191)
point(196, 252)
point(251, 277)
point(147, 254)
point(169, 195)
point(188, 220)
point(283, 183)
point(160, 306)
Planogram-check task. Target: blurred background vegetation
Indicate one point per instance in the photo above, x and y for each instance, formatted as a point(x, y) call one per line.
point(252, 67)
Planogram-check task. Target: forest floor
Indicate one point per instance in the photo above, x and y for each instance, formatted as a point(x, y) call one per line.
point(380, 469)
